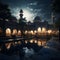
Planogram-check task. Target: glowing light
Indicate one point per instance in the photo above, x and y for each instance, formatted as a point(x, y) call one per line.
point(35, 41)
point(35, 31)
point(1, 31)
point(26, 32)
point(49, 31)
point(19, 33)
point(43, 29)
point(43, 43)
point(39, 43)
point(31, 41)
point(16, 43)
point(32, 32)
point(14, 32)
point(27, 14)
point(19, 42)
point(39, 29)
point(8, 32)
point(26, 41)
point(8, 45)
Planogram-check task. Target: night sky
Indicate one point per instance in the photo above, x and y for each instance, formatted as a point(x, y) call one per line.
point(31, 8)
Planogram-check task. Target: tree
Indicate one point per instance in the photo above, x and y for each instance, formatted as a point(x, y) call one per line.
point(5, 14)
point(57, 23)
point(56, 9)
point(37, 19)
point(56, 6)
point(4, 11)
point(12, 19)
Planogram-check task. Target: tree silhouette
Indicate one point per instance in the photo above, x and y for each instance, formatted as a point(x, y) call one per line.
point(5, 15)
point(12, 19)
point(56, 9)
point(56, 6)
point(57, 25)
point(37, 19)
point(4, 11)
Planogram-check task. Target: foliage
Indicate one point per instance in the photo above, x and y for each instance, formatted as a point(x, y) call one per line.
point(56, 9)
point(56, 6)
point(37, 19)
point(57, 23)
point(4, 11)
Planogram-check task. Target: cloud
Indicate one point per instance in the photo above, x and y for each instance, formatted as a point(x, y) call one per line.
point(15, 12)
point(35, 7)
point(37, 10)
point(34, 3)
point(31, 9)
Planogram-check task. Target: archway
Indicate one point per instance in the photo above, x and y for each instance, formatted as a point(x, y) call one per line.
point(8, 32)
point(14, 32)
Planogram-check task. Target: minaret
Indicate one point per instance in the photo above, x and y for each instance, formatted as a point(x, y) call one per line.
point(21, 14)
point(53, 18)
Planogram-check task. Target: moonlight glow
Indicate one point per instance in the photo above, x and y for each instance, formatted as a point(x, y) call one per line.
point(26, 14)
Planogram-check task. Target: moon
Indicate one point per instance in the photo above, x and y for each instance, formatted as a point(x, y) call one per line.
point(28, 15)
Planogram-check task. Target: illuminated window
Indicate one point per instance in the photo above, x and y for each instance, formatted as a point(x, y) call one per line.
point(35, 31)
point(39, 29)
point(8, 32)
point(14, 32)
point(39, 43)
point(32, 32)
point(26, 32)
point(49, 31)
point(43, 29)
point(19, 33)
point(31, 41)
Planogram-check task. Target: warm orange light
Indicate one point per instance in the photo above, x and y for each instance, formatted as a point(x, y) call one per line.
point(49, 31)
point(26, 41)
point(19, 33)
point(35, 41)
point(1, 31)
point(19, 42)
point(31, 41)
point(32, 32)
point(16, 43)
point(43, 29)
point(8, 45)
point(39, 43)
point(26, 32)
point(14, 32)
point(35, 31)
point(8, 32)
point(39, 29)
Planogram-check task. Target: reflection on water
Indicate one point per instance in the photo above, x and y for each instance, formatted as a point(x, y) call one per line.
point(8, 45)
point(28, 52)
point(24, 47)
point(39, 42)
point(31, 41)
